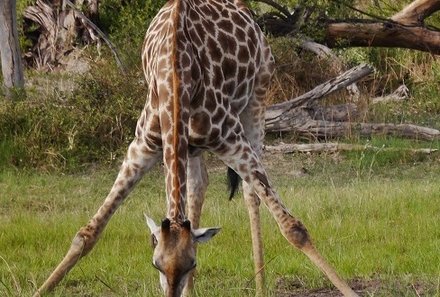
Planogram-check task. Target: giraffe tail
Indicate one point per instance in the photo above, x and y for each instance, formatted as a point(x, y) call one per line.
point(233, 180)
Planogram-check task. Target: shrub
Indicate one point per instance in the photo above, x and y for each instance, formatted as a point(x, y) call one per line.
point(93, 124)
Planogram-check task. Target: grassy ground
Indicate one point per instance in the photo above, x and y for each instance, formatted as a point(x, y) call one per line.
point(374, 215)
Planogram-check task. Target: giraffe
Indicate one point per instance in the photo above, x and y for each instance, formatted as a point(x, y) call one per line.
point(207, 65)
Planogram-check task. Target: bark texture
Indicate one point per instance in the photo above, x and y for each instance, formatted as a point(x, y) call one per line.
point(303, 116)
point(12, 68)
point(406, 29)
point(62, 25)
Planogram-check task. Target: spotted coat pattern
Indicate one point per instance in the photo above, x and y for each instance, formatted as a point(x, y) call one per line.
point(207, 65)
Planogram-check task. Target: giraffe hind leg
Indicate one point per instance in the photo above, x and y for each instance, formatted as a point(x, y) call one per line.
point(138, 161)
point(238, 154)
point(252, 120)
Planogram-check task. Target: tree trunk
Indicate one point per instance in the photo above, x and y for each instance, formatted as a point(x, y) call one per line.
point(62, 25)
point(405, 29)
point(60, 30)
point(12, 68)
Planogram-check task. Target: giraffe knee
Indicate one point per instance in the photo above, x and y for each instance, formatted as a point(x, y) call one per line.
point(87, 236)
point(297, 234)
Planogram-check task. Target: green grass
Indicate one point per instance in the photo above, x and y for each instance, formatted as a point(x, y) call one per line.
point(375, 222)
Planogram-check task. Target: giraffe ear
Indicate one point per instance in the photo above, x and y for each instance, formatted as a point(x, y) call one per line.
point(151, 224)
point(204, 234)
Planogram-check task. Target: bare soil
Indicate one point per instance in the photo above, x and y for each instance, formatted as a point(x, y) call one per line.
point(364, 287)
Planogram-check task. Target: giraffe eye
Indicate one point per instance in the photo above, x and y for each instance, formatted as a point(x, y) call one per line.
point(193, 266)
point(156, 266)
point(153, 241)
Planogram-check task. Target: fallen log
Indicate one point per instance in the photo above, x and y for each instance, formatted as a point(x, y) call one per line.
point(304, 117)
point(284, 148)
point(365, 33)
point(352, 75)
point(405, 29)
point(349, 112)
point(401, 93)
point(325, 52)
point(327, 129)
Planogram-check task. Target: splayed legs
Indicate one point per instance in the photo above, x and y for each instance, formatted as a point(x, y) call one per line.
point(137, 162)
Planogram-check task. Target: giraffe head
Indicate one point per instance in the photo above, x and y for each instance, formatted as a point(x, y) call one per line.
point(174, 252)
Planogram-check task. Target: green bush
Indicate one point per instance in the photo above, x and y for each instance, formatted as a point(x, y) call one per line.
point(126, 23)
point(93, 124)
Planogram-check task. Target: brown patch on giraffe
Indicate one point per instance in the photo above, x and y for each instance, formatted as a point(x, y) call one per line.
point(210, 28)
point(263, 180)
point(243, 54)
point(243, 168)
point(201, 123)
point(228, 89)
point(245, 156)
point(242, 70)
point(216, 5)
point(128, 172)
point(218, 115)
point(199, 33)
point(250, 71)
point(229, 122)
point(229, 67)
point(240, 34)
point(210, 12)
point(152, 141)
point(298, 234)
point(226, 26)
point(183, 148)
point(227, 42)
point(186, 60)
point(165, 121)
point(195, 72)
point(214, 51)
point(217, 80)
point(154, 124)
point(238, 20)
point(214, 135)
point(232, 138)
point(210, 103)
point(251, 47)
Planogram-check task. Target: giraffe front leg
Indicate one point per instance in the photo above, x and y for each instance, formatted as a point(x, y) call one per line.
point(197, 182)
point(239, 155)
point(138, 161)
point(253, 206)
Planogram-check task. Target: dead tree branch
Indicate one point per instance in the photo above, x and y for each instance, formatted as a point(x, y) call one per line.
point(406, 29)
point(333, 147)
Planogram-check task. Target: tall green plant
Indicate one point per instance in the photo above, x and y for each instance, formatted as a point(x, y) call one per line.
point(126, 22)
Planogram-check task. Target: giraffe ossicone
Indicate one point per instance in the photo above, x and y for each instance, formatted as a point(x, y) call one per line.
point(208, 66)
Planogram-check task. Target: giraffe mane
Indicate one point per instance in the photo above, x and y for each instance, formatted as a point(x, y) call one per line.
point(176, 111)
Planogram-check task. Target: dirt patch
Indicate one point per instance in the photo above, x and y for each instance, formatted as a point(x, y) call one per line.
point(287, 287)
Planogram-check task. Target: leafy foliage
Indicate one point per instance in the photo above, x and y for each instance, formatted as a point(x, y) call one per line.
point(126, 22)
point(93, 124)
